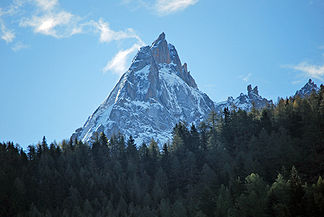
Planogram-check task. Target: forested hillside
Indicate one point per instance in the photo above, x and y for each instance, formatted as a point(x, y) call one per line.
point(261, 163)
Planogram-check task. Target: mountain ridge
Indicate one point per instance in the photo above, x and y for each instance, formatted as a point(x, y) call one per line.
point(157, 92)
point(244, 101)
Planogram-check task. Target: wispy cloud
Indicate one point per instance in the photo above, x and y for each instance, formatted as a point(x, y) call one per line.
point(6, 34)
point(46, 5)
point(108, 35)
point(245, 78)
point(160, 7)
point(309, 70)
point(59, 25)
point(19, 46)
point(50, 19)
point(118, 64)
point(46, 17)
point(165, 7)
point(12, 8)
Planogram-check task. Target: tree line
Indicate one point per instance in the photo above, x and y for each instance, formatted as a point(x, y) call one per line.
point(266, 162)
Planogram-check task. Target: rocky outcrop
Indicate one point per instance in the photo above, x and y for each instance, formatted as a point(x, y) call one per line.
point(244, 101)
point(307, 89)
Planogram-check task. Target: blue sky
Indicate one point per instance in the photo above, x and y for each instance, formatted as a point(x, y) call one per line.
point(59, 59)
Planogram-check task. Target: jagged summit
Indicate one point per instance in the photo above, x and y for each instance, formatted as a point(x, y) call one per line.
point(165, 53)
point(244, 101)
point(160, 38)
point(160, 50)
point(160, 41)
point(162, 53)
point(308, 88)
point(253, 91)
point(154, 94)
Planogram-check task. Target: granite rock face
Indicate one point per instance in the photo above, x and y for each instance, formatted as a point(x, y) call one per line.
point(154, 94)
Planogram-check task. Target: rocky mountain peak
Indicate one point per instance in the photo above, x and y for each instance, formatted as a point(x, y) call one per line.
point(164, 53)
point(160, 38)
point(310, 84)
point(307, 89)
point(253, 91)
point(160, 50)
point(154, 94)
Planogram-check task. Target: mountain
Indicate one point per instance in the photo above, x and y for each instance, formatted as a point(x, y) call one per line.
point(252, 98)
point(157, 92)
point(308, 88)
point(244, 101)
point(153, 95)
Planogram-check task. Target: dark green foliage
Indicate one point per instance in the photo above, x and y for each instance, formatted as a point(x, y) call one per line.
point(236, 164)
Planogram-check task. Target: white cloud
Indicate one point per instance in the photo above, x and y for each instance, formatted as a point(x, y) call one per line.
point(6, 34)
point(59, 25)
point(50, 20)
point(53, 21)
point(108, 35)
point(161, 7)
point(46, 5)
point(165, 7)
point(19, 46)
point(314, 71)
point(47, 18)
point(118, 64)
point(12, 8)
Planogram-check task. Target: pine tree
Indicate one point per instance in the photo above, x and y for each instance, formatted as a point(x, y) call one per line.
point(131, 149)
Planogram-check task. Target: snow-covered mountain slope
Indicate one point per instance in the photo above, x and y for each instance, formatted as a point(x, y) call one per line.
point(308, 88)
point(244, 101)
point(154, 94)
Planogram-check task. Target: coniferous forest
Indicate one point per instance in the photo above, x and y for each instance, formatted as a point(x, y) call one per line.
point(266, 162)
